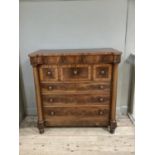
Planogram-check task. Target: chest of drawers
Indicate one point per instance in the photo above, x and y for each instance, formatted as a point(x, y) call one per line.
point(76, 87)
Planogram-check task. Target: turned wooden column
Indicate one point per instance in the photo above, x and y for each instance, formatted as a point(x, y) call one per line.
point(38, 100)
point(113, 123)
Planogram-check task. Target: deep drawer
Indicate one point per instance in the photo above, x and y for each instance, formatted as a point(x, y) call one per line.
point(76, 99)
point(103, 87)
point(77, 116)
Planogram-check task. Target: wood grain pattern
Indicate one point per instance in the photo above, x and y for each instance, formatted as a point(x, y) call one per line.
point(102, 72)
point(48, 73)
point(113, 123)
point(76, 99)
point(38, 100)
point(77, 116)
point(75, 72)
point(74, 56)
point(77, 87)
point(73, 52)
point(103, 87)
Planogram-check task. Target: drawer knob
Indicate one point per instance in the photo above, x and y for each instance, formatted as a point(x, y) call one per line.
point(101, 86)
point(75, 72)
point(51, 100)
point(52, 113)
point(101, 112)
point(101, 99)
point(102, 72)
point(49, 73)
point(50, 87)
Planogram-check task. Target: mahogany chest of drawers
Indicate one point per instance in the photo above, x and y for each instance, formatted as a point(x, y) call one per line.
point(76, 87)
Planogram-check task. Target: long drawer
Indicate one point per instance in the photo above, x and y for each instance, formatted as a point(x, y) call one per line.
point(75, 99)
point(103, 87)
point(76, 116)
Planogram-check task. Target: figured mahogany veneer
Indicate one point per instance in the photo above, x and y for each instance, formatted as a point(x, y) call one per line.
point(76, 87)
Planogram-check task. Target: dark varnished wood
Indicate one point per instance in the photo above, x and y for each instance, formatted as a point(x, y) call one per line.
point(77, 115)
point(113, 123)
point(75, 56)
point(60, 87)
point(38, 100)
point(76, 99)
point(102, 72)
point(48, 73)
point(76, 87)
point(75, 72)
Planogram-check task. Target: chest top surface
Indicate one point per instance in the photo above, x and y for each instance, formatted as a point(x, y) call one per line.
point(75, 56)
point(72, 52)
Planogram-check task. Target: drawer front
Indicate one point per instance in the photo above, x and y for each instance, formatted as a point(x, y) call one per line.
point(102, 72)
point(48, 73)
point(75, 99)
point(75, 72)
point(103, 87)
point(77, 116)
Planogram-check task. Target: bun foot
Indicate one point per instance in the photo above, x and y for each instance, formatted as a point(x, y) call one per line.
point(41, 131)
point(113, 126)
point(112, 131)
point(41, 127)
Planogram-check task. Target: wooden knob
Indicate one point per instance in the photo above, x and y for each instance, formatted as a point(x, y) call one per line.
point(75, 72)
point(50, 87)
point(101, 99)
point(101, 112)
point(51, 100)
point(49, 73)
point(102, 72)
point(101, 86)
point(52, 113)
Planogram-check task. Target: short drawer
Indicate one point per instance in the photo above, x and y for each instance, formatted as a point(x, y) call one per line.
point(48, 73)
point(102, 72)
point(103, 87)
point(75, 72)
point(75, 99)
point(77, 116)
